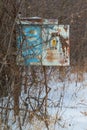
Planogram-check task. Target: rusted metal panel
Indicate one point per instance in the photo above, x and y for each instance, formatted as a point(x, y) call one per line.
point(55, 45)
point(42, 42)
point(30, 20)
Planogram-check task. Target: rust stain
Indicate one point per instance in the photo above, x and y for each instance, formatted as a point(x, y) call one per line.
point(50, 56)
point(32, 19)
point(55, 34)
point(62, 61)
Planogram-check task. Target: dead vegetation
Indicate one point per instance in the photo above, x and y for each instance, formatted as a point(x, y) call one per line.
point(36, 79)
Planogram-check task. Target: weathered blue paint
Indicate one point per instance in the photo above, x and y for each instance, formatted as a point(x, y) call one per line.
point(29, 41)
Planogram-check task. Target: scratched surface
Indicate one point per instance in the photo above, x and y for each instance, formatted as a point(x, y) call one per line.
point(46, 43)
point(29, 43)
point(55, 45)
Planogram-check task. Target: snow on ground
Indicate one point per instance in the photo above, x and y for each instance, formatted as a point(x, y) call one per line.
point(73, 105)
point(68, 103)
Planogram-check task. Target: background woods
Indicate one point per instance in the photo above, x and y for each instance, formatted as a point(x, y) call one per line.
point(34, 81)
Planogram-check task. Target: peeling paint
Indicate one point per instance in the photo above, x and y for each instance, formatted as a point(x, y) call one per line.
point(43, 42)
point(56, 45)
